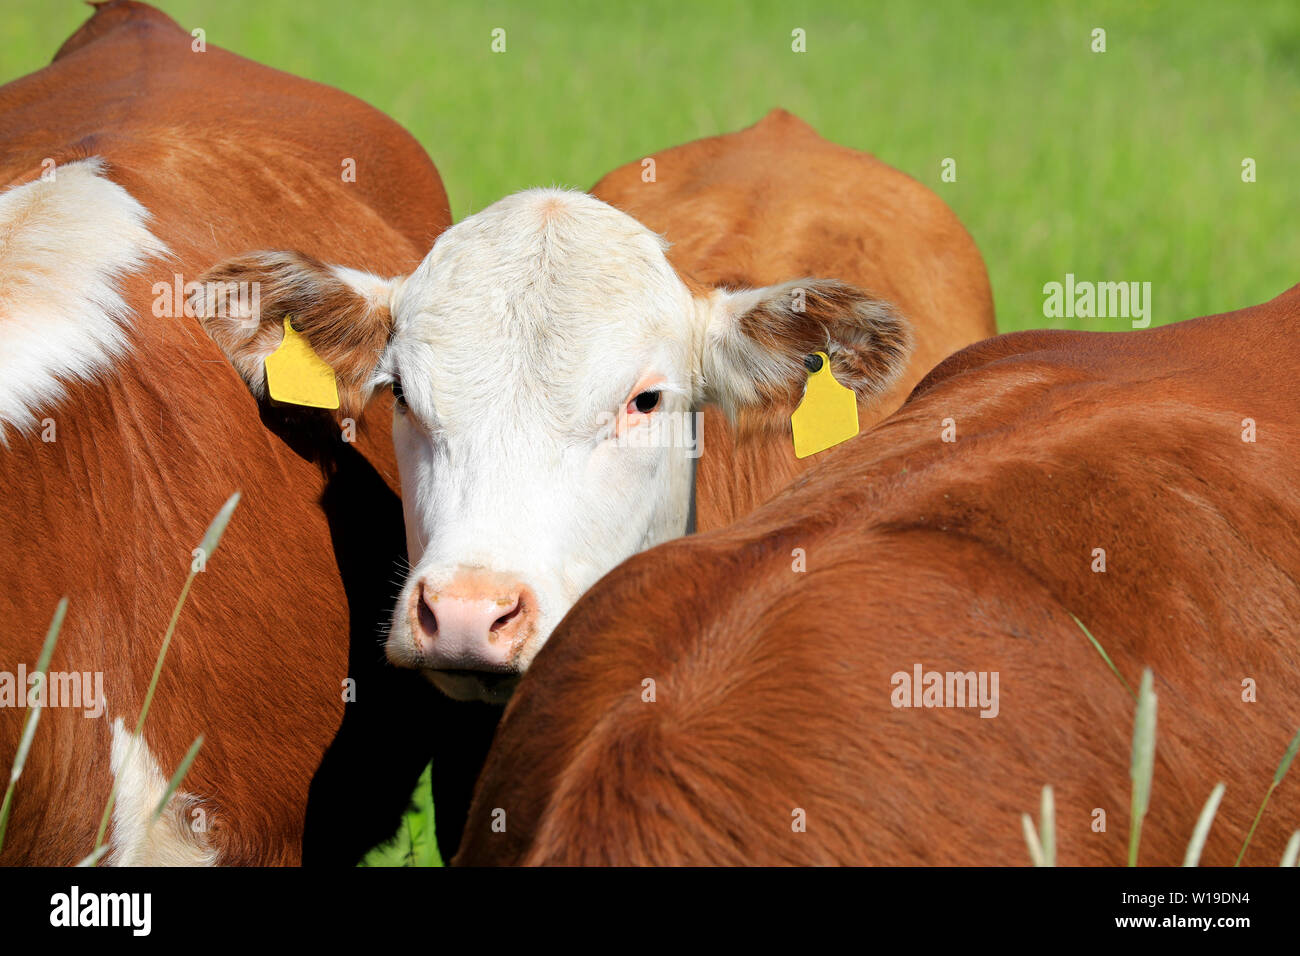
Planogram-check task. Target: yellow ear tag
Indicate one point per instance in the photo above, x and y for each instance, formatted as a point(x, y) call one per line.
point(828, 413)
point(297, 375)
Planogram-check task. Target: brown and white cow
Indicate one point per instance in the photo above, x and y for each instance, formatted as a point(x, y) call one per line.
point(759, 206)
point(551, 351)
point(712, 693)
point(131, 161)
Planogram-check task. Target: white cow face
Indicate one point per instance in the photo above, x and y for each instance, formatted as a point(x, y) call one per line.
point(547, 361)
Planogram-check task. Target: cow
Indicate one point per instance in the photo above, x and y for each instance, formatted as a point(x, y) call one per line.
point(551, 354)
point(761, 694)
point(776, 200)
point(129, 165)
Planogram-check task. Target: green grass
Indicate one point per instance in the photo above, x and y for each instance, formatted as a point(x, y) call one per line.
point(1123, 165)
point(33, 718)
point(415, 843)
point(208, 546)
point(1041, 841)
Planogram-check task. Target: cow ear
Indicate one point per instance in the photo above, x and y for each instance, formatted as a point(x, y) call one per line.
point(345, 315)
point(756, 341)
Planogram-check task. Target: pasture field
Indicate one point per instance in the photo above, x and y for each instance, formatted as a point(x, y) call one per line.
point(1117, 166)
point(1128, 165)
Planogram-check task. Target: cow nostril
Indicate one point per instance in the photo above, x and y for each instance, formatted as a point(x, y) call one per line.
point(428, 620)
point(509, 616)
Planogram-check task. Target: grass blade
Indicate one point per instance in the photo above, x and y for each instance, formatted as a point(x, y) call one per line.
point(1106, 657)
point(1282, 768)
point(415, 843)
point(211, 538)
point(393, 852)
point(424, 839)
point(93, 858)
point(1031, 839)
point(1047, 827)
point(1292, 850)
point(178, 776)
point(1202, 829)
point(33, 715)
point(1143, 765)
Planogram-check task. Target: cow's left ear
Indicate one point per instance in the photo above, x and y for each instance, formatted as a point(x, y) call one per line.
point(344, 314)
point(756, 340)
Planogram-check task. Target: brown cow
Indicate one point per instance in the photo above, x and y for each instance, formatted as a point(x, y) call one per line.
point(550, 359)
point(776, 201)
point(132, 163)
point(1147, 483)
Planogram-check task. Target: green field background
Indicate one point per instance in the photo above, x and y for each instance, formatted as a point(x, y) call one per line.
point(1123, 165)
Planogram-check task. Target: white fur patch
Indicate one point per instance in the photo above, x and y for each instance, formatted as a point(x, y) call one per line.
point(139, 839)
point(64, 245)
point(735, 364)
point(517, 340)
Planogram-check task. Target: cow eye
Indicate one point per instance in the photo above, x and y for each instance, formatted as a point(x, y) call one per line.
point(398, 394)
point(645, 403)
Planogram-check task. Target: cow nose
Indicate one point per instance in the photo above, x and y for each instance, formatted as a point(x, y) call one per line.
point(473, 623)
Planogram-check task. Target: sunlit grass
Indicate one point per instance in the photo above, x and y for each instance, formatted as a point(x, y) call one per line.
point(1041, 843)
point(415, 843)
point(33, 718)
point(1123, 165)
point(208, 546)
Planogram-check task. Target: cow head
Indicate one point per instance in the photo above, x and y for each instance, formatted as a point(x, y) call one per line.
point(546, 360)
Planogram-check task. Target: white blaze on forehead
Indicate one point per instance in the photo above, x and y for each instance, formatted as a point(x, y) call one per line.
point(65, 244)
point(139, 839)
point(517, 341)
point(548, 300)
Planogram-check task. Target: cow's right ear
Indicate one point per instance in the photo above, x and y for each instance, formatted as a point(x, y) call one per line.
point(345, 315)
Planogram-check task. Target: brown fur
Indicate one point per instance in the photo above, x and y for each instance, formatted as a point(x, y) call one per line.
point(346, 330)
point(775, 202)
point(867, 341)
point(774, 687)
point(226, 154)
